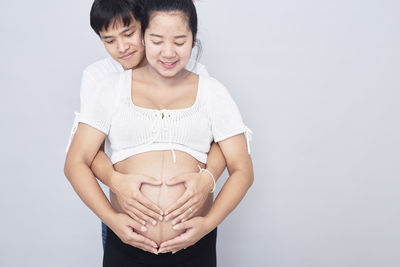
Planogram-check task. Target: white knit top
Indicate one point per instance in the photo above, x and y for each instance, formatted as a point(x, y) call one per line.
point(132, 129)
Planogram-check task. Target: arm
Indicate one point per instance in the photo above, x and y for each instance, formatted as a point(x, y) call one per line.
point(240, 179)
point(198, 187)
point(83, 149)
point(127, 189)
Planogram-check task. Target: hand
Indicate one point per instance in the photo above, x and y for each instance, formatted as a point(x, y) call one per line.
point(196, 228)
point(198, 186)
point(132, 201)
point(123, 226)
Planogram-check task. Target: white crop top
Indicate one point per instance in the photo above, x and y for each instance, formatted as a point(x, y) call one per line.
point(131, 129)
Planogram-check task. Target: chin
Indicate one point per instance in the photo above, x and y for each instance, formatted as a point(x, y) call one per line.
point(130, 64)
point(170, 73)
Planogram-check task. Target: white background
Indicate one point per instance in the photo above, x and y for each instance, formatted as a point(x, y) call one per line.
point(316, 81)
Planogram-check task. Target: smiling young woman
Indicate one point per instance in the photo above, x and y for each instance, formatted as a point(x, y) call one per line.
point(160, 120)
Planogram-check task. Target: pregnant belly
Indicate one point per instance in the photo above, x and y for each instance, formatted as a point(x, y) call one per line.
point(159, 164)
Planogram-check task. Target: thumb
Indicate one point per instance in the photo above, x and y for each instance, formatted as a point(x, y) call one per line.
point(136, 225)
point(183, 225)
point(150, 180)
point(176, 180)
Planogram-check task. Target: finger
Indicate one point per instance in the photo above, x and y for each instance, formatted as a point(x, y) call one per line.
point(179, 239)
point(132, 214)
point(173, 248)
point(176, 180)
point(143, 247)
point(150, 180)
point(149, 207)
point(178, 204)
point(184, 210)
point(137, 210)
point(183, 226)
point(136, 224)
point(147, 214)
point(143, 241)
point(186, 215)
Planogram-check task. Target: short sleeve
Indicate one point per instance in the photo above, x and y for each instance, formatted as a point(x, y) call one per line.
point(88, 87)
point(223, 112)
point(98, 101)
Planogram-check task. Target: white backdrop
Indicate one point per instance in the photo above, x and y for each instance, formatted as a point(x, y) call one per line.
point(318, 83)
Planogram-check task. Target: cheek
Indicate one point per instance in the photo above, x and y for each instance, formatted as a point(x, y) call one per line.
point(110, 49)
point(152, 52)
point(185, 51)
point(136, 41)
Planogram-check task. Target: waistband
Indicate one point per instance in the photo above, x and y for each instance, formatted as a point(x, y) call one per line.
point(205, 247)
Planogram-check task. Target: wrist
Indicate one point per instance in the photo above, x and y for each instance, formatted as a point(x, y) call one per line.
point(109, 218)
point(211, 178)
point(209, 223)
point(114, 178)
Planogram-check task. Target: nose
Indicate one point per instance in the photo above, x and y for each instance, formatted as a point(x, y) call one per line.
point(122, 46)
point(168, 51)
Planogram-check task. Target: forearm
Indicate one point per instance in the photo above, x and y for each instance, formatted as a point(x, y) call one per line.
point(231, 194)
point(102, 168)
point(216, 161)
point(88, 189)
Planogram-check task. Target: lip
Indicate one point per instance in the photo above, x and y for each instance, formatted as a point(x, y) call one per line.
point(127, 56)
point(168, 64)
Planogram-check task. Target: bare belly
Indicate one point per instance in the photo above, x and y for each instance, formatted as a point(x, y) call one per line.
point(159, 164)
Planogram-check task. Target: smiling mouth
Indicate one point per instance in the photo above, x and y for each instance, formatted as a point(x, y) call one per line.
point(127, 56)
point(169, 65)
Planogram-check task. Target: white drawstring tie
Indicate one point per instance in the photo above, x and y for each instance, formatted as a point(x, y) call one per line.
point(158, 126)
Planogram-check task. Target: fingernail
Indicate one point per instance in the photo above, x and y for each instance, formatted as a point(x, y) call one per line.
point(161, 213)
point(144, 222)
point(154, 222)
point(173, 222)
point(160, 218)
point(173, 252)
point(144, 229)
point(175, 227)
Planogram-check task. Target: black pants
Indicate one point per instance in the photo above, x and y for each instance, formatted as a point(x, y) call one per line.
point(119, 254)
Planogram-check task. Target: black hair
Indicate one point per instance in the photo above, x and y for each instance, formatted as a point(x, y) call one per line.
point(106, 12)
point(185, 6)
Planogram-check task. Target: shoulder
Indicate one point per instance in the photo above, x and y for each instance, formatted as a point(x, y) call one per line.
point(102, 68)
point(197, 68)
point(212, 86)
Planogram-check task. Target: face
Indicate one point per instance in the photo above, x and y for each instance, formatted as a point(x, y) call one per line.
point(124, 43)
point(168, 43)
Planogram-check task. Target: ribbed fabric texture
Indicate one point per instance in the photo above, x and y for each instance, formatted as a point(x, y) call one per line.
point(132, 129)
point(106, 105)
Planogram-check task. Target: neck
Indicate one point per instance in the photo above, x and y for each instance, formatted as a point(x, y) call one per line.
point(141, 64)
point(158, 79)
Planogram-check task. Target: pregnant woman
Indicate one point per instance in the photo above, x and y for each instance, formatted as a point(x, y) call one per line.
point(160, 120)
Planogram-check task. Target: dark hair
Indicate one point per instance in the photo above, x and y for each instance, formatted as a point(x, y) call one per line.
point(185, 6)
point(105, 12)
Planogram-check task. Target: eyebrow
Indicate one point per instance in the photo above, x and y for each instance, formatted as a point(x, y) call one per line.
point(124, 31)
point(176, 37)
